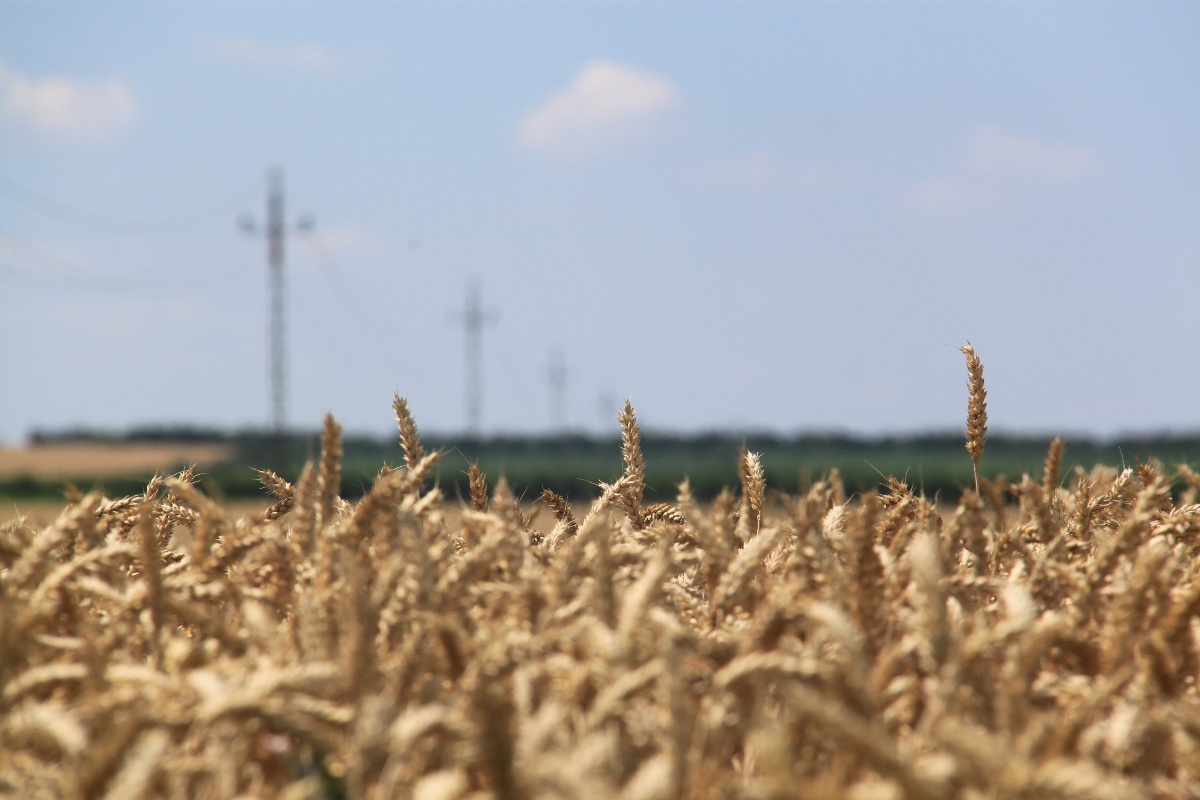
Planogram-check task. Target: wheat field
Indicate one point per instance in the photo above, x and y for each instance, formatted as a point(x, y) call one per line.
point(1036, 641)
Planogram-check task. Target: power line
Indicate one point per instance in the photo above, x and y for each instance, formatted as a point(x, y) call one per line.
point(375, 335)
point(106, 223)
point(164, 275)
point(47, 263)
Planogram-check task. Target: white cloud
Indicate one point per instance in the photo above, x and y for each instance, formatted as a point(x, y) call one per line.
point(607, 107)
point(66, 109)
point(245, 51)
point(996, 165)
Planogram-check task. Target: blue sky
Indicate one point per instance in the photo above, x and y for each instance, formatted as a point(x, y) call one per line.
point(752, 216)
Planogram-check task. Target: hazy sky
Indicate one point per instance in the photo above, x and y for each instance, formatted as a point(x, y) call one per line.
point(752, 216)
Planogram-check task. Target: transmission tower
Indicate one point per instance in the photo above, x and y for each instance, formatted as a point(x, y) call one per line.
point(556, 374)
point(276, 234)
point(473, 319)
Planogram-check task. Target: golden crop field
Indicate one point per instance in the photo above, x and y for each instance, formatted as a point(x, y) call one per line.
point(70, 460)
point(89, 460)
point(1034, 642)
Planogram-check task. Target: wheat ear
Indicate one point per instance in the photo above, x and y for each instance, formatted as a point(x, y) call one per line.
point(479, 490)
point(409, 439)
point(1053, 469)
point(329, 478)
point(635, 465)
point(753, 489)
point(567, 526)
point(976, 409)
point(284, 491)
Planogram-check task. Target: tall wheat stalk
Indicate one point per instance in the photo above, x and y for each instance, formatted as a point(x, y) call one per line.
point(976, 409)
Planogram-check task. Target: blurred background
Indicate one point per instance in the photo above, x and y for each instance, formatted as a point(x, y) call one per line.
point(748, 218)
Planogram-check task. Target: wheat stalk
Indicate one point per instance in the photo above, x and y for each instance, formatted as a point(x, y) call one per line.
point(329, 478)
point(635, 466)
point(976, 409)
point(1050, 475)
point(409, 439)
point(478, 485)
point(567, 526)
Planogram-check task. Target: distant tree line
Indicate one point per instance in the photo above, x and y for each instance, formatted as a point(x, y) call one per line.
point(574, 465)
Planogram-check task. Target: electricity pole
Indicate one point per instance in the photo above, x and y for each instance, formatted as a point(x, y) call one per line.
point(557, 375)
point(276, 234)
point(473, 319)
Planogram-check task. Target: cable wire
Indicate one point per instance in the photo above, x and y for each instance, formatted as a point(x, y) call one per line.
point(105, 223)
point(363, 319)
point(43, 262)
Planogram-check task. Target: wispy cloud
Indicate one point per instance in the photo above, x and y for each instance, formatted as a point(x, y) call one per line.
point(352, 244)
point(249, 52)
point(606, 107)
point(754, 170)
point(995, 165)
point(1007, 156)
point(760, 170)
point(66, 109)
point(950, 195)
